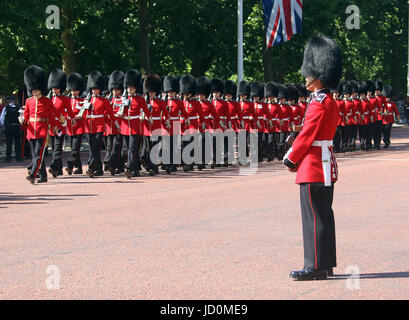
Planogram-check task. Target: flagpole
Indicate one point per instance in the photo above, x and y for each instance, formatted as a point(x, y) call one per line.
point(240, 71)
point(408, 55)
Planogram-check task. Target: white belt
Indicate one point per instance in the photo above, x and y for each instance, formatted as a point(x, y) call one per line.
point(326, 158)
point(131, 117)
point(174, 118)
point(223, 117)
point(193, 118)
point(156, 118)
point(286, 119)
point(246, 117)
point(96, 116)
point(207, 117)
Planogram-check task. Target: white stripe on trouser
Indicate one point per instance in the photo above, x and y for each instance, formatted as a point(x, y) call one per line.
point(326, 159)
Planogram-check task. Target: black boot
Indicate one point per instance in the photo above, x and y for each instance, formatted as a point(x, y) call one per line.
point(307, 274)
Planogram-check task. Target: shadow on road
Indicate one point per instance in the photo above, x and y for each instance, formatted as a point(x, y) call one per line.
point(382, 275)
point(8, 198)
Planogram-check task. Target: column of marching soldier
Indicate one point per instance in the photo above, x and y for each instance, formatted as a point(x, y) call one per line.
point(132, 114)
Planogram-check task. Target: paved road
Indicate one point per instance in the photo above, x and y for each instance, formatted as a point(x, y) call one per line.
point(214, 234)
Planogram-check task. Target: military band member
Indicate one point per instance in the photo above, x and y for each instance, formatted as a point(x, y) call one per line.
point(312, 157)
point(389, 113)
point(57, 82)
point(39, 114)
point(96, 113)
point(75, 128)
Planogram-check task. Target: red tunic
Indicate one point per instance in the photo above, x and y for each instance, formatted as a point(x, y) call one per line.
point(263, 116)
point(97, 115)
point(236, 117)
point(210, 116)
point(321, 121)
point(248, 113)
point(341, 111)
point(130, 123)
point(296, 114)
point(303, 106)
point(222, 110)
point(382, 104)
point(159, 112)
point(38, 115)
point(76, 106)
point(286, 117)
point(389, 111)
point(357, 111)
point(366, 112)
point(62, 108)
point(194, 112)
point(349, 111)
point(110, 123)
point(375, 108)
point(176, 111)
point(275, 112)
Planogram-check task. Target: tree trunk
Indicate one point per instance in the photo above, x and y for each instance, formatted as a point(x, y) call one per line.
point(394, 69)
point(68, 57)
point(144, 37)
point(267, 60)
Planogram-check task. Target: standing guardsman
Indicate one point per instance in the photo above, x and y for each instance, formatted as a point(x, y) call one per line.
point(114, 138)
point(57, 83)
point(270, 92)
point(389, 113)
point(373, 116)
point(75, 132)
point(96, 110)
point(247, 111)
point(285, 121)
point(152, 85)
point(341, 123)
point(131, 114)
point(379, 112)
point(39, 115)
point(312, 157)
point(349, 112)
point(356, 115)
point(364, 120)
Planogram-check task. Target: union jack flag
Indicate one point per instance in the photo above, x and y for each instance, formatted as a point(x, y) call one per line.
point(283, 19)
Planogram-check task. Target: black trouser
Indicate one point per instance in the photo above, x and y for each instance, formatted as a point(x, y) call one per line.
point(345, 132)
point(370, 134)
point(282, 144)
point(13, 133)
point(353, 135)
point(113, 152)
point(38, 147)
point(338, 139)
point(318, 226)
point(56, 143)
point(220, 144)
point(132, 144)
point(74, 159)
point(272, 145)
point(363, 136)
point(262, 142)
point(95, 143)
point(109, 142)
point(377, 133)
point(386, 131)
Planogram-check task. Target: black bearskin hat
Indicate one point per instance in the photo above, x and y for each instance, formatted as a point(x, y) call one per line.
point(95, 81)
point(371, 86)
point(171, 83)
point(257, 89)
point(378, 85)
point(133, 79)
point(291, 92)
point(35, 79)
point(281, 92)
point(387, 91)
point(354, 86)
point(244, 89)
point(187, 85)
point(216, 85)
point(230, 87)
point(152, 83)
point(57, 79)
point(347, 88)
point(75, 82)
point(270, 90)
point(322, 61)
point(116, 80)
point(203, 86)
point(302, 92)
point(362, 87)
point(338, 89)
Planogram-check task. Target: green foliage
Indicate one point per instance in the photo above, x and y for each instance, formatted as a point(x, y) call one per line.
point(198, 37)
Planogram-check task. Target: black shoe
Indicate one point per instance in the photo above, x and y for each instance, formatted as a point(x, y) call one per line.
point(69, 171)
point(113, 171)
point(42, 180)
point(152, 172)
point(186, 168)
point(136, 174)
point(78, 171)
point(307, 274)
point(90, 173)
point(99, 173)
point(19, 160)
point(107, 168)
point(53, 172)
point(330, 272)
point(31, 179)
point(7, 160)
point(119, 171)
point(128, 174)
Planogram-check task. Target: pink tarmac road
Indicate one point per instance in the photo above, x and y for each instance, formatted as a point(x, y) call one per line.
point(213, 234)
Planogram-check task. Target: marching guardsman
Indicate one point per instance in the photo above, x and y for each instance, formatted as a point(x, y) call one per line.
point(273, 135)
point(216, 90)
point(39, 114)
point(285, 121)
point(389, 114)
point(263, 116)
point(341, 122)
point(296, 113)
point(247, 111)
point(203, 88)
point(236, 117)
point(195, 117)
point(113, 158)
point(57, 83)
point(177, 112)
point(373, 116)
point(381, 106)
point(96, 112)
point(131, 113)
point(152, 88)
point(302, 100)
point(75, 85)
point(356, 114)
point(365, 119)
point(312, 157)
point(349, 112)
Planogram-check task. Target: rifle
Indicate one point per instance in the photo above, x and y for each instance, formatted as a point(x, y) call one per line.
point(125, 102)
point(86, 105)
